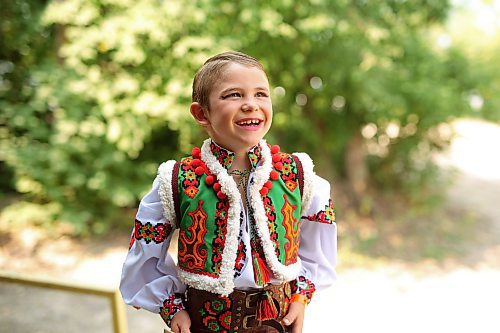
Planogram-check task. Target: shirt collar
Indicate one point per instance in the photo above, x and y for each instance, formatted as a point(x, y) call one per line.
point(226, 157)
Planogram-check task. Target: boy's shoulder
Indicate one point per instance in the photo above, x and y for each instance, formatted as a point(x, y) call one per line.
point(281, 161)
point(190, 174)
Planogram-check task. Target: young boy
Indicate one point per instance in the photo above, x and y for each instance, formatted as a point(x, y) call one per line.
point(257, 232)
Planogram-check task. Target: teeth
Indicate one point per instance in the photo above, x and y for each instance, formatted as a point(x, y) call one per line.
point(249, 122)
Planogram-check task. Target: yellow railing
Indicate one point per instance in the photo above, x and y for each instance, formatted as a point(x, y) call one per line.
point(117, 305)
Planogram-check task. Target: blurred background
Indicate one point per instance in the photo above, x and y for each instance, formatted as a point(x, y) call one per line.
point(397, 102)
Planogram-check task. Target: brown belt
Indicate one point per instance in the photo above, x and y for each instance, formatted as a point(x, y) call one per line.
point(236, 313)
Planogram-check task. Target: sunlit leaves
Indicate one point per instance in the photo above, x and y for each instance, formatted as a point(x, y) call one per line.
point(97, 93)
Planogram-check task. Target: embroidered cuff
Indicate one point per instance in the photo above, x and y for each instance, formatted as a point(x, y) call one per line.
point(299, 298)
point(171, 306)
point(302, 286)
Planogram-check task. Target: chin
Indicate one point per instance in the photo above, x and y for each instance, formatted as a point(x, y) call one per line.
point(253, 142)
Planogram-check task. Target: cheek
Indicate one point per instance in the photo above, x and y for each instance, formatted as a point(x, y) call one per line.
point(223, 118)
point(269, 110)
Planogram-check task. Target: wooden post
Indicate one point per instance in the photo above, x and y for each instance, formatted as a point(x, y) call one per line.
point(119, 313)
point(117, 307)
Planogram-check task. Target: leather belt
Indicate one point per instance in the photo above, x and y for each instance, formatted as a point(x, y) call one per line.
point(209, 312)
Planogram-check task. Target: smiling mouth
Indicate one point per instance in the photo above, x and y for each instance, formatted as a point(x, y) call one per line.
point(251, 122)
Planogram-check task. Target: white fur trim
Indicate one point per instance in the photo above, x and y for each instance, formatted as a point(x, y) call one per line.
point(224, 285)
point(308, 191)
point(165, 191)
point(203, 282)
point(261, 175)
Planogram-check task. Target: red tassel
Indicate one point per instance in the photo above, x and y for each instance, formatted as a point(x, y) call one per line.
point(266, 309)
point(262, 275)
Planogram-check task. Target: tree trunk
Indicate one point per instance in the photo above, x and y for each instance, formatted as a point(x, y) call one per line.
point(356, 167)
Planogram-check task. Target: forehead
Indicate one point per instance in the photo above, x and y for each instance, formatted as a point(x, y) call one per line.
point(240, 76)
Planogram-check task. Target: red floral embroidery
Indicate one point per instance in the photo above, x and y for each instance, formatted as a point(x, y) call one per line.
point(303, 286)
point(171, 306)
point(192, 253)
point(323, 216)
point(151, 233)
point(221, 217)
point(271, 217)
point(241, 256)
point(211, 323)
point(225, 319)
point(191, 191)
point(288, 171)
point(254, 155)
point(191, 181)
point(216, 314)
point(224, 156)
point(292, 231)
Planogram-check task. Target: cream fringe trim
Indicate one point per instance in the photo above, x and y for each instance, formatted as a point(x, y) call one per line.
point(224, 285)
point(165, 191)
point(281, 272)
point(309, 174)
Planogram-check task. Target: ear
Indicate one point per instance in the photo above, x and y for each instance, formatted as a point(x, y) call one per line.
point(199, 114)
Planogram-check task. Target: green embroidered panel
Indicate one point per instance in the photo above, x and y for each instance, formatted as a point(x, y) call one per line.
point(204, 218)
point(284, 226)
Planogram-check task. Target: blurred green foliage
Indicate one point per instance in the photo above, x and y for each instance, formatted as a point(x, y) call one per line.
point(95, 94)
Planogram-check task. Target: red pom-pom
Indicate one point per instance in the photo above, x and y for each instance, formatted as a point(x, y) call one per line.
point(268, 184)
point(199, 171)
point(278, 166)
point(276, 158)
point(217, 187)
point(275, 149)
point(274, 175)
point(221, 195)
point(196, 162)
point(209, 180)
point(196, 152)
point(264, 191)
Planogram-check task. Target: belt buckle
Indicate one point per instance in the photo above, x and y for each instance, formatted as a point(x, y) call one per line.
point(245, 322)
point(248, 298)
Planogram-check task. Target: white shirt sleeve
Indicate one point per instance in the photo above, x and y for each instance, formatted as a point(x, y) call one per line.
point(149, 273)
point(318, 237)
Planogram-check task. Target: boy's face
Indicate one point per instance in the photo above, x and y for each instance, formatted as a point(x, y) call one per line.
point(240, 110)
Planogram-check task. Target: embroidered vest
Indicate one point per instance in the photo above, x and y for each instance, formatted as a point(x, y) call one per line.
point(205, 202)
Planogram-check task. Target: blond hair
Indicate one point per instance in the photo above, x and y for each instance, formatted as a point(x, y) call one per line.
point(212, 70)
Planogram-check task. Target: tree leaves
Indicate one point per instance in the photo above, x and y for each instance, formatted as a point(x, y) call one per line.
point(85, 123)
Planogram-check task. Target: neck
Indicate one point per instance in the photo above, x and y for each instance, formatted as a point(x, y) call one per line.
point(241, 161)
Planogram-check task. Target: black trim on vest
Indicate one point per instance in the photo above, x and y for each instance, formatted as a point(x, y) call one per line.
point(300, 174)
point(175, 192)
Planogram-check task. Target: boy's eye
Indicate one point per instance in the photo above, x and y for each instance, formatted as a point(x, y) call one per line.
point(261, 94)
point(233, 94)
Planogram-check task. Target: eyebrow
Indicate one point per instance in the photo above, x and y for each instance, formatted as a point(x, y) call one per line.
point(236, 88)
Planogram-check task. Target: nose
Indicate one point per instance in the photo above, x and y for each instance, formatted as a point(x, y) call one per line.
point(250, 106)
